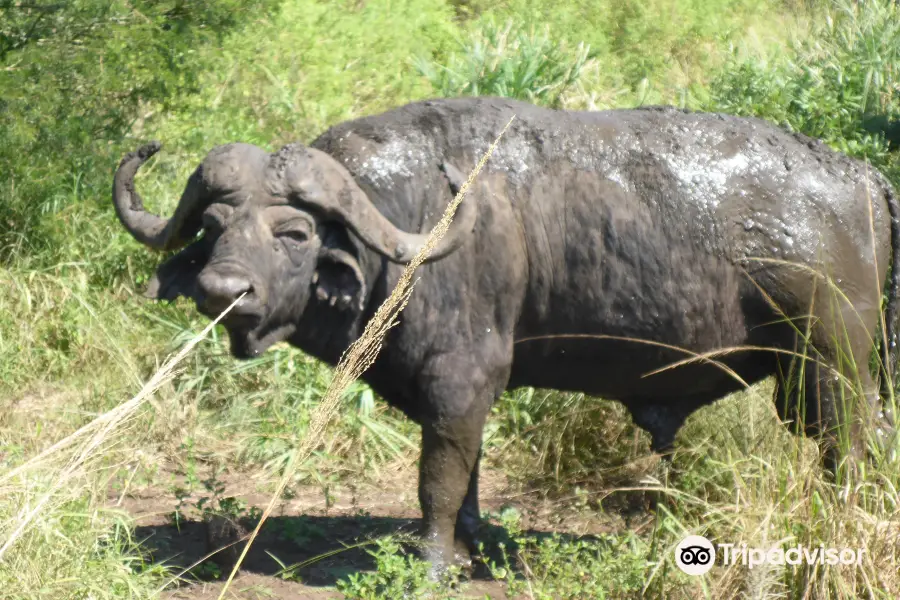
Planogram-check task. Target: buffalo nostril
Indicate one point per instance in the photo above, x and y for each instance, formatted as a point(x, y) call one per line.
point(221, 291)
point(233, 287)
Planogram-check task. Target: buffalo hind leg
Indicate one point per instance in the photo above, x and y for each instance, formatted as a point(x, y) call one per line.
point(811, 400)
point(831, 395)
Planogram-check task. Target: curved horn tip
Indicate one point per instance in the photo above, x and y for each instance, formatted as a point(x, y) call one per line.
point(149, 149)
point(142, 154)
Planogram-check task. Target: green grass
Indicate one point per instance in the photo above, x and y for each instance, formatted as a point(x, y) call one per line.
point(76, 340)
point(840, 83)
point(512, 62)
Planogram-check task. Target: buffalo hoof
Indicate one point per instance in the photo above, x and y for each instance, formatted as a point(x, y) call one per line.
point(460, 566)
point(447, 563)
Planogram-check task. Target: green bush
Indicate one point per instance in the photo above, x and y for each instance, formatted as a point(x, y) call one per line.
point(560, 567)
point(509, 61)
point(398, 574)
point(643, 48)
point(838, 84)
point(74, 77)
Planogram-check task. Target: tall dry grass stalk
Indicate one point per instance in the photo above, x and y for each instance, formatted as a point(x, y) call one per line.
point(92, 436)
point(362, 353)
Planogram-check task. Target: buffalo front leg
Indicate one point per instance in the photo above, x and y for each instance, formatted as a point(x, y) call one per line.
point(458, 390)
point(448, 487)
point(468, 519)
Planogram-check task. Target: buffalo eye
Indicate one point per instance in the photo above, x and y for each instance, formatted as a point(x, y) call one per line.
point(214, 220)
point(294, 236)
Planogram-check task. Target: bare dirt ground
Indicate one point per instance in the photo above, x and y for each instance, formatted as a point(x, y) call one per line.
point(307, 526)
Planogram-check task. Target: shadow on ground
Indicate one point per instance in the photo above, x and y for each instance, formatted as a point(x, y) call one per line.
point(329, 545)
point(322, 541)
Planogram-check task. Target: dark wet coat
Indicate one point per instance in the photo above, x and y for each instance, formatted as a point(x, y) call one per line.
point(637, 224)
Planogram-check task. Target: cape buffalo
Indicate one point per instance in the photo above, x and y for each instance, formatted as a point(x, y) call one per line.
point(595, 248)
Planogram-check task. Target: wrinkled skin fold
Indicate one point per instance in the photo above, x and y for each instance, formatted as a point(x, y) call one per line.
point(596, 247)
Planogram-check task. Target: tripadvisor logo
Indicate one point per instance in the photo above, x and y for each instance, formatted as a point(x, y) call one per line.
point(696, 555)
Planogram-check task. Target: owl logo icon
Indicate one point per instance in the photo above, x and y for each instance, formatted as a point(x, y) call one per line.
point(695, 555)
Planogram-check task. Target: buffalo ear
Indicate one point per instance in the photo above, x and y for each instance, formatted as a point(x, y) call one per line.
point(338, 280)
point(177, 276)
